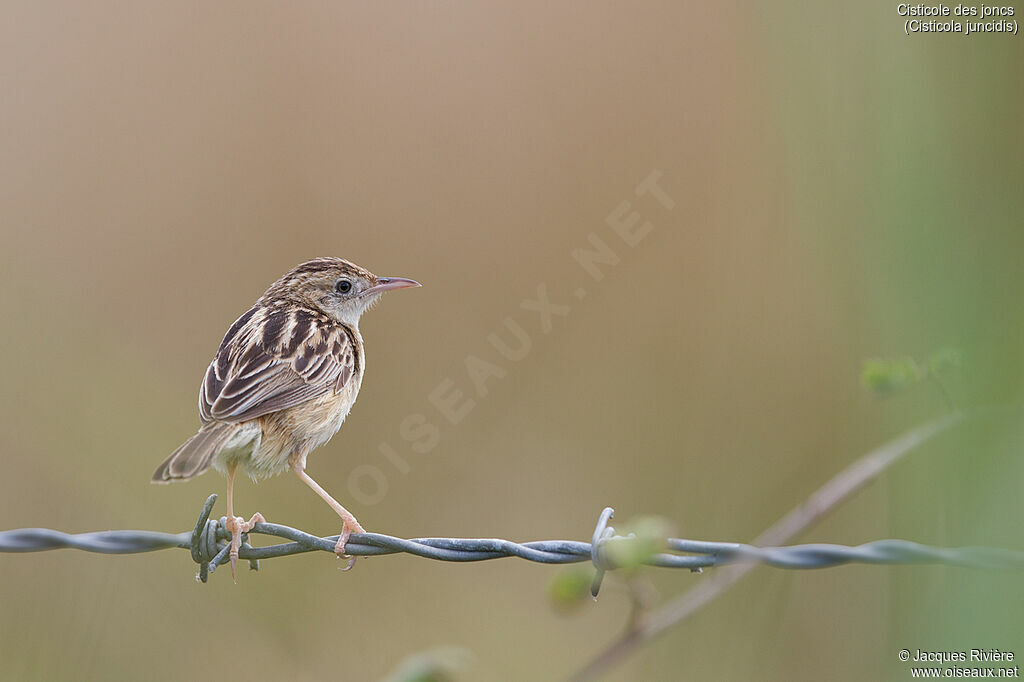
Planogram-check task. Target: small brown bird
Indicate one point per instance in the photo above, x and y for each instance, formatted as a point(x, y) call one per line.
point(283, 380)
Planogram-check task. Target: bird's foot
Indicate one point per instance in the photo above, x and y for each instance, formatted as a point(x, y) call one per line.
point(349, 526)
point(236, 525)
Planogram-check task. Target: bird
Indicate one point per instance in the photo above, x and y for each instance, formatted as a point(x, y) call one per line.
point(282, 382)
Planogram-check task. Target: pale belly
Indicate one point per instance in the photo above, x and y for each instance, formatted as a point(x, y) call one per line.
point(264, 447)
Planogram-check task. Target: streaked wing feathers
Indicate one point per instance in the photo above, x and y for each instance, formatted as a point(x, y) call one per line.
point(272, 359)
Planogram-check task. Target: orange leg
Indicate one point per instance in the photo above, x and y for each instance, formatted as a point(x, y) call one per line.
point(349, 524)
point(236, 525)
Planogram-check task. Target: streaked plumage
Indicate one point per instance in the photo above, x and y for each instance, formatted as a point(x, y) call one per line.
point(284, 378)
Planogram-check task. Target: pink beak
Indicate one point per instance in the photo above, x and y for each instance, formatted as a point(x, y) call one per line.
point(389, 283)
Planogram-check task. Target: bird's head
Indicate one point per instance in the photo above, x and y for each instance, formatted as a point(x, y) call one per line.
point(340, 289)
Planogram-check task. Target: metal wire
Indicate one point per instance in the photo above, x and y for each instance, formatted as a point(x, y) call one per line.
point(209, 545)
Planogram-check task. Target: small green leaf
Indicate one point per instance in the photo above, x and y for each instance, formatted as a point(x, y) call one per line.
point(885, 376)
point(570, 589)
point(638, 542)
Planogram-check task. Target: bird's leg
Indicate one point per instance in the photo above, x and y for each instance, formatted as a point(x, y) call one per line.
point(349, 523)
point(236, 525)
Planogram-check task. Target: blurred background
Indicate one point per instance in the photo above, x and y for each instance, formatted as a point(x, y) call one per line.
point(834, 190)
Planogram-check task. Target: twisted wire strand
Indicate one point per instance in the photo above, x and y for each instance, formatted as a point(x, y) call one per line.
point(103, 542)
point(208, 543)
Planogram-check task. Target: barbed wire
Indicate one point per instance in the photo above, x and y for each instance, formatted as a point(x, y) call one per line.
point(209, 546)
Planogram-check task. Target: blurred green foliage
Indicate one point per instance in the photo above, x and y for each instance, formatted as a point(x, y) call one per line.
point(570, 588)
point(636, 542)
point(887, 376)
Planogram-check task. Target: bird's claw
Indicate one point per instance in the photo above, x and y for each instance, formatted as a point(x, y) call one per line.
point(339, 549)
point(236, 525)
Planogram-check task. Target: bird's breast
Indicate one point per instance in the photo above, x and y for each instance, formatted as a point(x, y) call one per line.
point(313, 423)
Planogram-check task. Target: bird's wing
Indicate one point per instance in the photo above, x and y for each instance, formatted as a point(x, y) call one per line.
point(272, 359)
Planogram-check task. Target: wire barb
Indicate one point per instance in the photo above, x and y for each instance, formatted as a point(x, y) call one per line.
point(602, 533)
point(209, 545)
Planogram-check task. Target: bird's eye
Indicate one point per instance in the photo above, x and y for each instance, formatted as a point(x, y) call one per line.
point(343, 286)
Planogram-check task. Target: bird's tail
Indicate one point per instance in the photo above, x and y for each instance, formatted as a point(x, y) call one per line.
point(195, 455)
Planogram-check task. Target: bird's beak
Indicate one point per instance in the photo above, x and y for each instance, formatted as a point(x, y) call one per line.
point(389, 283)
